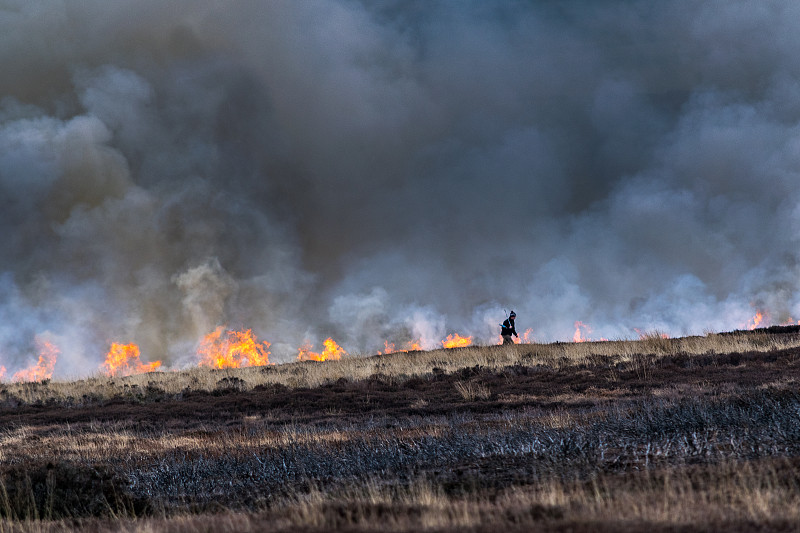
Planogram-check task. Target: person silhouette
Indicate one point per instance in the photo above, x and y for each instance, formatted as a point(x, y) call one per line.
point(509, 329)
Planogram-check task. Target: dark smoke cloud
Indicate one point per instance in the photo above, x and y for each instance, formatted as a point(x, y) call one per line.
point(392, 170)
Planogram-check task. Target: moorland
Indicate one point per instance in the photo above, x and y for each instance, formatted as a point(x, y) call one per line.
point(659, 434)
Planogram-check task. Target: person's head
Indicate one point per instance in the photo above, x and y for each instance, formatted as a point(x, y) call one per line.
point(512, 315)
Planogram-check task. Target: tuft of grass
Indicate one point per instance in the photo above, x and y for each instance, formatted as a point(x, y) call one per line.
point(471, 391)
point(656, 342)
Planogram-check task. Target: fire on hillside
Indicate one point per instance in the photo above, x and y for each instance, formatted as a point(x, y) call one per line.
point(124, 360)
point(332, 352)
point(456, 341)
point(226, 348)
point(42, 369)
point(232, 349)
point(411, 346)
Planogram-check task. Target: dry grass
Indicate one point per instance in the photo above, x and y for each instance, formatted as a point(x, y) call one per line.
point(472, 391)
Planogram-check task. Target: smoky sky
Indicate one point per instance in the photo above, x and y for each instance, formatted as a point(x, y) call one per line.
point(392, 170)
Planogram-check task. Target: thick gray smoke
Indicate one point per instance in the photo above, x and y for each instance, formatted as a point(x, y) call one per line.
point(392, 171)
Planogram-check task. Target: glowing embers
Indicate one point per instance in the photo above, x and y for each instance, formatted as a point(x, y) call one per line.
point(332, 352)
point(124, 360)
point(232, 349)
point(43, 369)
point(456, 341)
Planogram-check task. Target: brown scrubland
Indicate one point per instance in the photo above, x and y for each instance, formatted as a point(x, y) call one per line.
point(687, 434)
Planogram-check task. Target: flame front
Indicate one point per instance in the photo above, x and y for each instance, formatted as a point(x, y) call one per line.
point(123, 360)
point(411, 346)
point(388, 348)
point(456, 341)
point(332, 352)
point(526, 338)
point(232, 349)
point(756, 320)
point(578, 336)
point(43, 369)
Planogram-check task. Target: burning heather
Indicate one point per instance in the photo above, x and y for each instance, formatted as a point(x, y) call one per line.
point(43, 369)
point(232, 349)
point(332, 352)
point(756, 320)
point(456, 341)
point(410, 346)
point(124, 360)
point(581, 330)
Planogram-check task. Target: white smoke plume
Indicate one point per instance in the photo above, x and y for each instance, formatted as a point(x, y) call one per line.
point(392, 171)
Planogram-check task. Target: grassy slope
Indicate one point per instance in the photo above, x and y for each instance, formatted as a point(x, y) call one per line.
point(697, 434)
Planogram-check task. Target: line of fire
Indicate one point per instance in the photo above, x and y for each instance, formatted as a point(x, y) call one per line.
point(224, 348)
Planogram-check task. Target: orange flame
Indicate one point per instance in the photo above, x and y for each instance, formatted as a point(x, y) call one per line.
point(756, 320)
point(232, 349)
point(525, 338)
point(43, 369)
point(2, 372)
point(411, 346)
point(123, 360)
point(388, 348)
point(332, 351)
point(578, 336)
point(456, 341)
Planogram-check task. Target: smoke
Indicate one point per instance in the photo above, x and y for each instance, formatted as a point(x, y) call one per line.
point(392, 171)
point(206, 289)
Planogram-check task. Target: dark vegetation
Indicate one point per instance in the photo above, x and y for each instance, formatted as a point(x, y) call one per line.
point(660, 441)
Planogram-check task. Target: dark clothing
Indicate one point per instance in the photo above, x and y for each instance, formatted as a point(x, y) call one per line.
point(508, 328)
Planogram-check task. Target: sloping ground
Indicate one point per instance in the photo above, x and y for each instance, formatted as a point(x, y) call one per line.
point(673, 442)
point(435, 394)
